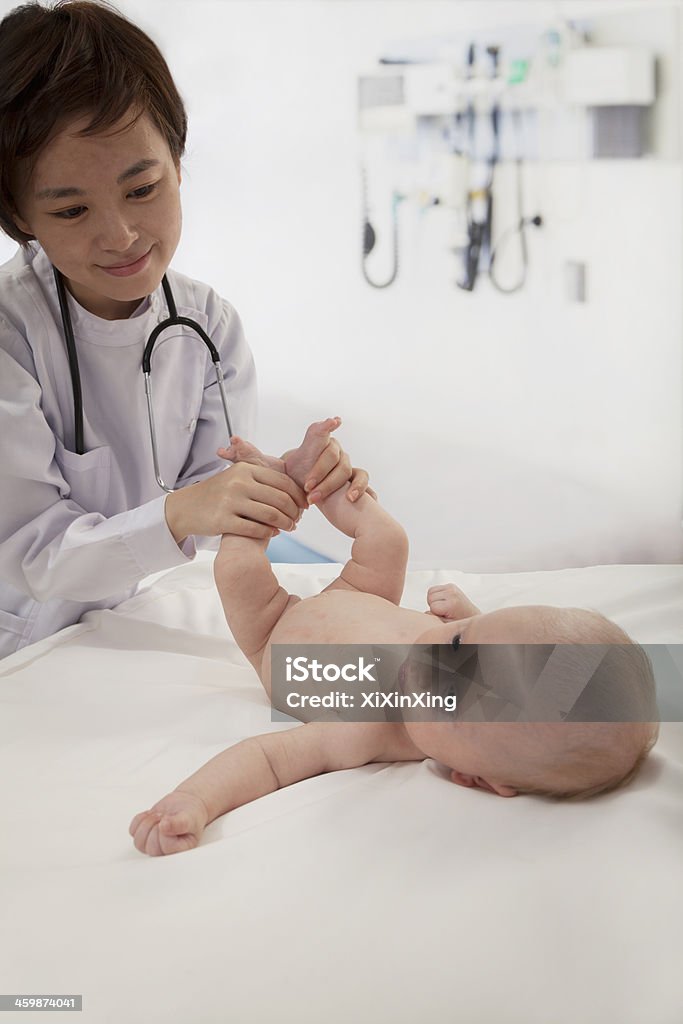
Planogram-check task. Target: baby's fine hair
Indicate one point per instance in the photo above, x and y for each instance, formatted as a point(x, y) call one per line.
point(594, 757)
point(598, 691)
point(76, 58)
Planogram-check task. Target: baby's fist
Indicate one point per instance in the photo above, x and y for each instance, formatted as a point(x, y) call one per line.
point(449, 603)
point(172, 825)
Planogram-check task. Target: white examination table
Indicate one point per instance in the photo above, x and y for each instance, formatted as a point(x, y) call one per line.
point(381, 894)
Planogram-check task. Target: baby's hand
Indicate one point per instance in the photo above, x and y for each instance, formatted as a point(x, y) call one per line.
point(449, 603)
point(174, 824)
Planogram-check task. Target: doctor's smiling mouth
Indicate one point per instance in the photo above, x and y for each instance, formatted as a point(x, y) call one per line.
point(130, 267)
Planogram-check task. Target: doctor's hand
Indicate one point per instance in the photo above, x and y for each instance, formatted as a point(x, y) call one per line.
point(246, 500)
point(331, 471)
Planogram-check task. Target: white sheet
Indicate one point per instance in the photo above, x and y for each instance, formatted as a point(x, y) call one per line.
point(380, 894)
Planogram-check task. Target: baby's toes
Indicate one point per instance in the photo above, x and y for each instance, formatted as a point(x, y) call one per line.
point(228, 453)
point(246, 452)
point(322, 429)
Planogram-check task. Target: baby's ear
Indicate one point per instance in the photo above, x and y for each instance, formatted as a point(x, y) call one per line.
point(462, 779)
point(495, 787)
point(476, 782)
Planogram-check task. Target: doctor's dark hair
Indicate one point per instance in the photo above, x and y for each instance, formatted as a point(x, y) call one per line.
point(74, 59)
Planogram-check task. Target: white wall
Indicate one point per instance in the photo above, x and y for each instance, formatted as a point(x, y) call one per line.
point(442, 392)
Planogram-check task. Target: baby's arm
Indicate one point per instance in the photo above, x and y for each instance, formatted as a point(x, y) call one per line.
point(258, 766)
point(252, 598)
point(450, 603)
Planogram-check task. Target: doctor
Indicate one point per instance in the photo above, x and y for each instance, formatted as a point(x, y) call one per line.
point(92, 130)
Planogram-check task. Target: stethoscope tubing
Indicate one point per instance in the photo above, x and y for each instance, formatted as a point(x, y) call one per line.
point(73, 363)
point(173, 320)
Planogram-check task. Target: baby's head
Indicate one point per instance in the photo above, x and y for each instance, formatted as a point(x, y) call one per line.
point(571, 754)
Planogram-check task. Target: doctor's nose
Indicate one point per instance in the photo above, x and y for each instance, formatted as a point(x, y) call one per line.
point(116, 235)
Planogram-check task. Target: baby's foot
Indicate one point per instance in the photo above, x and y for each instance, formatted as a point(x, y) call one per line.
point(300, 462)
point(243, 451)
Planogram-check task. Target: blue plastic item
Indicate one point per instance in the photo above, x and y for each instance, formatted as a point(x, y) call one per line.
point(285, 549)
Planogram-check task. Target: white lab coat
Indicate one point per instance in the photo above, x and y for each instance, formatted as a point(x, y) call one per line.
point(79, 532)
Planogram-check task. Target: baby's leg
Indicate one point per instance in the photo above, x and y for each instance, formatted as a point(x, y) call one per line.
point(242, 451)
point(379, 554)
point(299, 462)
point(380, 550)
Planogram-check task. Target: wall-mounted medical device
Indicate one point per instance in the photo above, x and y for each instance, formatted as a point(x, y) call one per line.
point(434, 130)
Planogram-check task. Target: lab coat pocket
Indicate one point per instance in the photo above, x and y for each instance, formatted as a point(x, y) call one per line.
point(12, 629)
point(10, 623)
point(87, 477)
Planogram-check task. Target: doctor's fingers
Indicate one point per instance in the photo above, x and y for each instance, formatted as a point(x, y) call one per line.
point(358, 484)
point(280, 502)
point(263, 508)
point(331, 457)
point(284, 483)
point(343, 473)
point(279, 482)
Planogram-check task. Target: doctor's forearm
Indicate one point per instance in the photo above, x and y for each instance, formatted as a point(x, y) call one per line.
point(87, 557)
point(173, 511)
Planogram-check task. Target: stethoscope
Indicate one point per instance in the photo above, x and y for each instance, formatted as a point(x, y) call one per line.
point(173, 320)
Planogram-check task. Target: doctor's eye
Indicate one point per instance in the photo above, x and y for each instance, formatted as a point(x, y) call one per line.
point(70, 214)
point(455, 642)
point(143, 191)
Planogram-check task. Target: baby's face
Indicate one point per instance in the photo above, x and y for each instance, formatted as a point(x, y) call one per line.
point(487, 755)
point(479, 754)
point(476, 754)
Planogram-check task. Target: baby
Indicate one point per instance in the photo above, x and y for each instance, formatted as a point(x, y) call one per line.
point(557, 758)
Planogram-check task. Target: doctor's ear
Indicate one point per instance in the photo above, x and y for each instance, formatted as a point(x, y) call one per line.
point(22, 224)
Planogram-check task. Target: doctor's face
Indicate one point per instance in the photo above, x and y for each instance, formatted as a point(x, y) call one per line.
point(106, 210)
